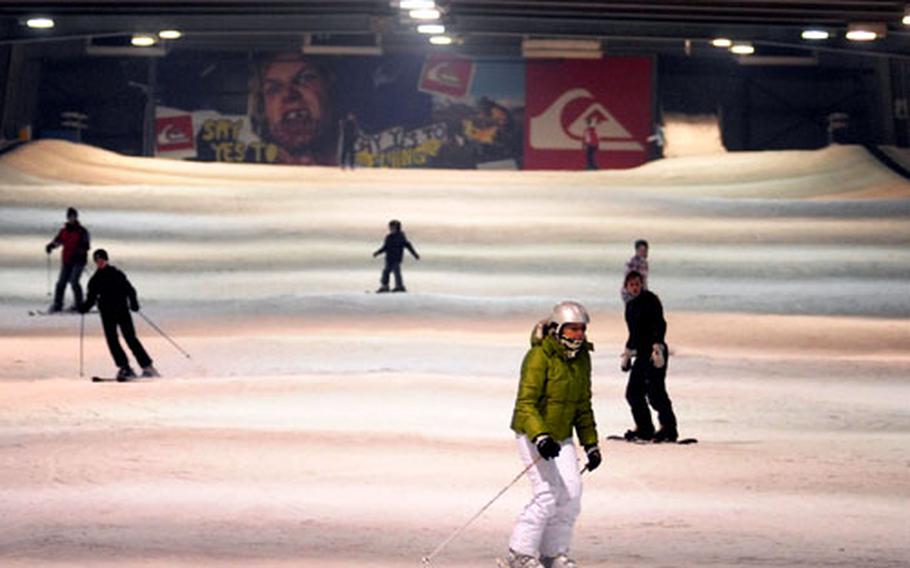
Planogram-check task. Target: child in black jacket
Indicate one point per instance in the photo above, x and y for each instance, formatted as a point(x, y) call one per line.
point(393, 247)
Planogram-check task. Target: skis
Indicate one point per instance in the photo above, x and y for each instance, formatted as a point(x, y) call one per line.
point(57, 313)
point(116, 380)
point(681, 441)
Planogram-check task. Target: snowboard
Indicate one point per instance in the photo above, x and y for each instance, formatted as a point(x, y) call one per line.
point(681, 441)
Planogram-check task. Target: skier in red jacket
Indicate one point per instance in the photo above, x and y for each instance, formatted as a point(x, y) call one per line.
point(74, 239)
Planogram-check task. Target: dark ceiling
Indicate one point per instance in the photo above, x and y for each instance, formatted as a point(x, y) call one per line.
point(482, 27)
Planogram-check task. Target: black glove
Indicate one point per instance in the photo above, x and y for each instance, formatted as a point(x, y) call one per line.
point(134, 306)
point(49, 247)
point(547, 447)
point(84, 308)
point(594, 457)
point(416, 257)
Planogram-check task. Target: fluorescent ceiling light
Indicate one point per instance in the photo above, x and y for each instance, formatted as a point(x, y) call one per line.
point(40, 23)
point(816, 34)
point(561, 54)
point(431, 29)
point(441, 40)
point(170, 34)
point(862, 35)
point(865, 31)
point(722, 42)
point(416, 4)
point(742, 49)
point(562, 44)
point(143, 40)
point(426, 14)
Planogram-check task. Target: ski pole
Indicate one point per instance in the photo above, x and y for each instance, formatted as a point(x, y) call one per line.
point(81, 341)
point(48, 275)
point(426, 559)
point(164, 335)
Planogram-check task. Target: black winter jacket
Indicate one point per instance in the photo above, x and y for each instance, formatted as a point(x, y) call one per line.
point(111, 289)
point(645, 320)
point(394, 246)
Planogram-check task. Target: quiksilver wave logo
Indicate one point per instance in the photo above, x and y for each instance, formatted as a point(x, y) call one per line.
point(557, 129)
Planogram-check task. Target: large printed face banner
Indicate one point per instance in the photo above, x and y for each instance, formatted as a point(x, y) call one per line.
point(410, 111)
point(438, 111)
point(564, 96)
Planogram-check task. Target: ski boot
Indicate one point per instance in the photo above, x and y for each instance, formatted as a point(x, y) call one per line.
point(635, 435)
point(666, 435)
point(558, 561)
point(125, 373)
point(516, 560)
point(382, 289)
point(54, 309)
point(399, 289)
point(150, 372)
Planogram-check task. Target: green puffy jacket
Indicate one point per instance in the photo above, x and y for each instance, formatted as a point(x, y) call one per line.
point(554, 394)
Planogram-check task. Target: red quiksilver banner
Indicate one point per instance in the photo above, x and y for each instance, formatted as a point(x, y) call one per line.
point(563, 96)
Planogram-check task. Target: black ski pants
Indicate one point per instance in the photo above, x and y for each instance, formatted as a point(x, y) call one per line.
point(648, 384)
point(590, 152)
point(392, 268)
point(69, 274)
point(347, 156)
point(122, 319)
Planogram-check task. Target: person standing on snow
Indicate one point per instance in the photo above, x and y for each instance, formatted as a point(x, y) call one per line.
point(591, 143)
point(116, 297)
point(554, 397)
point(74, 239)
point(348, 129)
point(393, 247)
point(638, 263)
point(647, 382)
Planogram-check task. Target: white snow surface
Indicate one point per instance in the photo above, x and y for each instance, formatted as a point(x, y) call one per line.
point(320, 425)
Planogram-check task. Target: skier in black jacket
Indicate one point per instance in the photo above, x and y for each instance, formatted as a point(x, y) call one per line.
point(393, 247)
point(647, 382)
point(116, 297)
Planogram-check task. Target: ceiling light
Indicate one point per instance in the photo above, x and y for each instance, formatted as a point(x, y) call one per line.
point(721, 42)
point(416, 4)
point(816, 34)
point(425, 14)
point(170, 34)
point(862, 35)
point(40, 23)
point(742, 49)
point(143, 40)
point(906, 19)
point(441, 40)
point(431, 29)
point(865, 31)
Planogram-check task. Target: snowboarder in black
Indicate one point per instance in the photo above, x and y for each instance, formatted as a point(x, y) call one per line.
point(647, 382)
point(74, 239)
point(393, 247)
point(116, 297)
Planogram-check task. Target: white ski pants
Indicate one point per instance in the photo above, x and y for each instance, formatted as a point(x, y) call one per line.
point(545, 525)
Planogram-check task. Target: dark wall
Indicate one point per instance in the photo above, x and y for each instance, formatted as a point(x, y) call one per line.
point(777, 107)
point(111, 91)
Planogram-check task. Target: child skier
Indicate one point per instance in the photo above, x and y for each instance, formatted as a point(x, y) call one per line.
point(74, 239)
point(393, 247)
point(647, 382)
point(554, 397)
point(116, 296)
point(638, 263)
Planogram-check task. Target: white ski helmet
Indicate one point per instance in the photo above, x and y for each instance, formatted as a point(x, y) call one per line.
point(568, 312)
